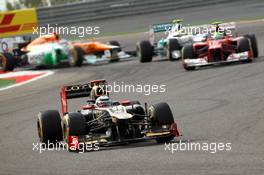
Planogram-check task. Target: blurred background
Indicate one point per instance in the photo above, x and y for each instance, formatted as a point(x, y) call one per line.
point(133, 16)
point(18, 4)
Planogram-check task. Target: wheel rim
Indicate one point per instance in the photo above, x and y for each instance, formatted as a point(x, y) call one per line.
point(2, 61)
point(168, 54)
point(65, 129)
point(138, 52)
point(72, 56)
point(151, 112)
point(40, 134)
point(65, 132)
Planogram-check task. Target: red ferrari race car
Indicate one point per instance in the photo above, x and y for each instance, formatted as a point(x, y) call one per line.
point(104, 122)
point(220, 48)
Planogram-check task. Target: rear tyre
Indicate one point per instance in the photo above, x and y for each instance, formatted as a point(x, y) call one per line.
point(49, 126)
point(7, 62)
point(173, 45)
point(243, 46)
point(144, 51)
point(162, 115)
point(188, 53)
point(73, 124)
point(254, 44)
point(76, 59)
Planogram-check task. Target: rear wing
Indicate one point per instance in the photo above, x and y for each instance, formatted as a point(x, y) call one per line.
point(228, 27)
point(231, 26)
point(157, 28)
point(163, 27)
point(78, 91)
point(166, 28)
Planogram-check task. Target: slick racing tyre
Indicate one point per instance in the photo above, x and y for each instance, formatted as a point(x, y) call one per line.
point(144, 51)
point(188, 52)
point(243, 45)
point(76, 56)
point(73, 124)
point(49, 126)
point(173, 45)
point(162, 115)
point(254, 44)
point(7, 62)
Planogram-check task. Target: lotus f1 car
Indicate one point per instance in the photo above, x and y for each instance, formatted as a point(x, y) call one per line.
point(103, 121)
point(171, 46)
point(49, 50)
point(220, 48)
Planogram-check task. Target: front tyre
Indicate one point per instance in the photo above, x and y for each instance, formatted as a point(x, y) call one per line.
point(243, 45)
point(76, 56)
point(144, 51)
point(188, 53)
point(161, 115)
point(7, 62)
point(73, 124)
point(254, 44)
point(173, 45)
point(49, 126)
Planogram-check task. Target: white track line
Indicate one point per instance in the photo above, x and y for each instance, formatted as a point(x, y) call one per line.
point(46, 73)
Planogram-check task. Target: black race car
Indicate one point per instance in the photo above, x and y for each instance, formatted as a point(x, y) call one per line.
point(104, 122)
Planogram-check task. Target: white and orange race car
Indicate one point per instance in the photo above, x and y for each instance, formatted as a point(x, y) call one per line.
point(50, 50)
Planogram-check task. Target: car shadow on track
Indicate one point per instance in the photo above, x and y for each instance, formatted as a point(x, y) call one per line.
point(222, 65)
point(67, 66)
point(142, 144)
point(165, 59)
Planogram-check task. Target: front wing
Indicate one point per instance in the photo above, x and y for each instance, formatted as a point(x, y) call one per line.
point(235, 57)
point(76, 143)
point(94, 60)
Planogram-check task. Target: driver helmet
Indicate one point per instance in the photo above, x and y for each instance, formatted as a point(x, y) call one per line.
point(177, 26)
point(56, 36)
point(103, 101)
point(217, 35)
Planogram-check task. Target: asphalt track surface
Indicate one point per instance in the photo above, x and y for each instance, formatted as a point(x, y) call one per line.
point(215, 104)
